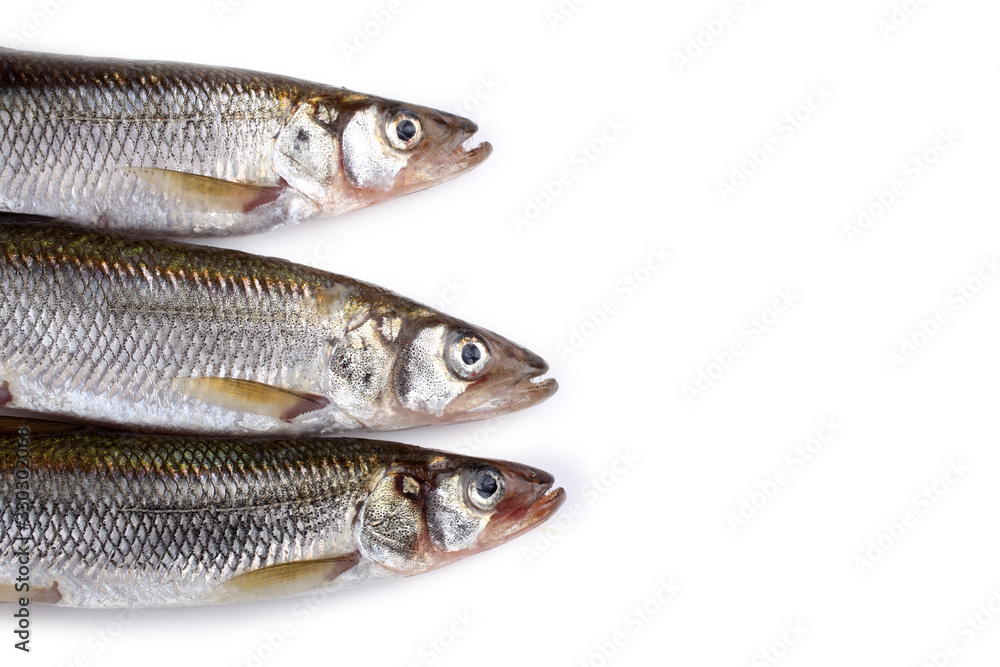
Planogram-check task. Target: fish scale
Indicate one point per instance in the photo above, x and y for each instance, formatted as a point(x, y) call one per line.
point(68, 126)
point(87, 295)
point(106, 503)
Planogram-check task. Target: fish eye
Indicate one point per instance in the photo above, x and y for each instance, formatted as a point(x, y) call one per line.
point(404, 130)
point(468, 356)
point(486, 488)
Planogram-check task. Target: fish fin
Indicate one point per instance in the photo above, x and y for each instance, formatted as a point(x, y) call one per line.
point(44, 595)
point(251, 397)
point(9, 594)
point(207, 192)
point(287, 579)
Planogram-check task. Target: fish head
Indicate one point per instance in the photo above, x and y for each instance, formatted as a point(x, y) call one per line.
point(347, 150)
point(450, 372)
point(398, 364)
point(422, 516)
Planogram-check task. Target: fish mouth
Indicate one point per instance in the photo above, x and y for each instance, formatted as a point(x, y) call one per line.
point(531, 500)
point(472, 157)
point(525, 394)
point(440, 168)
point(541, 511)
point(458, 154)
point(459, 160)
point(536, 388)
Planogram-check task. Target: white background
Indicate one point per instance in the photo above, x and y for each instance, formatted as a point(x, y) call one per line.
point(826, 551)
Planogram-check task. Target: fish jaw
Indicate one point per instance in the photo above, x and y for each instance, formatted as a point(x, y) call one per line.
point(443, 168)
point(529, 501)
point(525, 394)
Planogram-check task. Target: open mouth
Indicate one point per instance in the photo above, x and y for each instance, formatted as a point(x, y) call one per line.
point(538, 381)
point(461, 159)
point(526, 393)
point(545, 507)
point(444, 166)
point(537, 386)
point(547, 504)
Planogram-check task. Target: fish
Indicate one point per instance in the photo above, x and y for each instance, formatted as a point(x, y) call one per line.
point(170, 337)
point(171, 149)
point(109, 519)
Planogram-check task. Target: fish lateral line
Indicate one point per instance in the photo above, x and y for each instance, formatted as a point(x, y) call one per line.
point(228, 510)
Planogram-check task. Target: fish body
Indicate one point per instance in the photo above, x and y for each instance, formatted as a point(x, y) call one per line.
point(163, 336)
point(171, 149)
point(118, 520)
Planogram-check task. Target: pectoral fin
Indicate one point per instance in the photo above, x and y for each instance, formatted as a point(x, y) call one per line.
point(43, 595)
point(251, 397)
point(205, 192)
point(287, 579)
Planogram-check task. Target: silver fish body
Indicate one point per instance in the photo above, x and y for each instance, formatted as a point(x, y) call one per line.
point(186, 150)
point(163, 336)
point(117, 520)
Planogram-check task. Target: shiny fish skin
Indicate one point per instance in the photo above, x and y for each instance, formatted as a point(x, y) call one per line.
point(117, 520)
point(104, 328)
point(72, 130)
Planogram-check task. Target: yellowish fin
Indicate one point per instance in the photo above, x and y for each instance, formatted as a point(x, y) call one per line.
point(251, 397)
point(207, 193)
point(287, 578)
point(43, 595)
